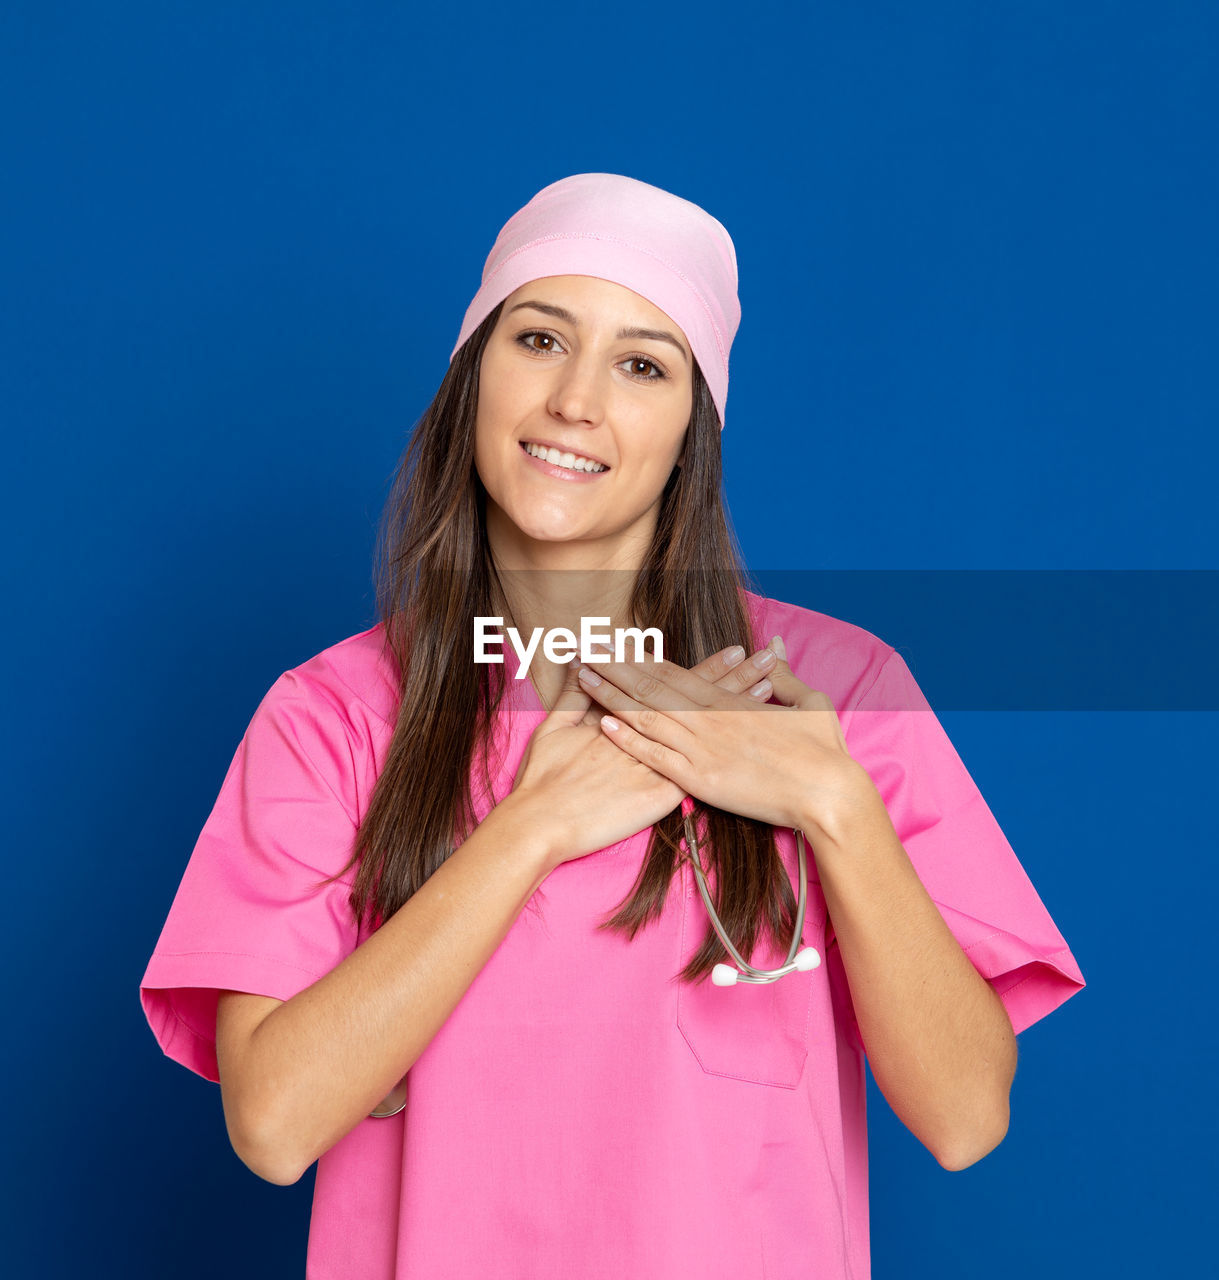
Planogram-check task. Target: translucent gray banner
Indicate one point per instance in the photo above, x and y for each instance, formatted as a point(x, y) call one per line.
point(1032, 639)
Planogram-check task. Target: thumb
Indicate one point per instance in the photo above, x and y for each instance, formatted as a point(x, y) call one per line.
point(789, 689)
point(570, 705)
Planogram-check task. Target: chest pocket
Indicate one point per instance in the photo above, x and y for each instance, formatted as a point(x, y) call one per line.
point(760, 1032)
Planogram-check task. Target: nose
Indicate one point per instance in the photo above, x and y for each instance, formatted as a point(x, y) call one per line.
point(578, 392)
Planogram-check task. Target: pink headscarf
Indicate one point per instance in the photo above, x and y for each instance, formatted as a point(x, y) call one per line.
point(664, 248)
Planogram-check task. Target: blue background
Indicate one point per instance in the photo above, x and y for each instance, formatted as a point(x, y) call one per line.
point(978, 277)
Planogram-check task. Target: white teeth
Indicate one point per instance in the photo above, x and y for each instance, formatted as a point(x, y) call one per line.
point(571, 461)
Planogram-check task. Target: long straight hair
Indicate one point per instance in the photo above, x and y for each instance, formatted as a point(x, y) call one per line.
point(435, 574)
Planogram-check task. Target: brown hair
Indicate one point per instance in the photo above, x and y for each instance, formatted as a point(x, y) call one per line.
point(435, 575)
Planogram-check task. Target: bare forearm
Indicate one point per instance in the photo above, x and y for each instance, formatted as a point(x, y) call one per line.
point(320, 1062)
point(938, 1039)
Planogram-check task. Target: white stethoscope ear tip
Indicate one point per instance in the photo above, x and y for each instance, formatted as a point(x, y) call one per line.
point(724, 975)
point(807, 959)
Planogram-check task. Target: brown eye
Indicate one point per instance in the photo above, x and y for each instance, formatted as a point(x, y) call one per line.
point(526, 340)
point(633, 370)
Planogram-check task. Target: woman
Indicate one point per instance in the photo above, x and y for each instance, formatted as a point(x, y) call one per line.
point(442, 932)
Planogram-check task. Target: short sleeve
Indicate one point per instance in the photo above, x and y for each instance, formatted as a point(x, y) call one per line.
point(958, 849)
point(249, 913)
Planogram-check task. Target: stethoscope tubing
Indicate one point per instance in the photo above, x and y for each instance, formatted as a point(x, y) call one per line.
point(746, 971)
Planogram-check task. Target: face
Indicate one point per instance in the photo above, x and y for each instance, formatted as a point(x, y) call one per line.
point(600, 379)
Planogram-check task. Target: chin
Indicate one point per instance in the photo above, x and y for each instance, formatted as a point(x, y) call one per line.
point(545, 526)
point(548, 533)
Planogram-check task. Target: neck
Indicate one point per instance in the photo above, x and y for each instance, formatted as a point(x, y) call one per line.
point(555, 584)
point(561, 598)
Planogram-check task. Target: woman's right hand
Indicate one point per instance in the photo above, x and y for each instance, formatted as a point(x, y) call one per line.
point(585, 792)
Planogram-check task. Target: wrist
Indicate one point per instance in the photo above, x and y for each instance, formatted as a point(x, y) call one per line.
point(845, 812)
point(522, 823)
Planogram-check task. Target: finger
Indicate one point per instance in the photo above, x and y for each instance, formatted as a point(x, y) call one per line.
point(791, 691)
point(664, 685)
point(571, 706)
point(594, 713)
point(714, 668)
point(647, 676)
point(644, 718)
point(746, 675)
point(665, 760)
point(727, 669)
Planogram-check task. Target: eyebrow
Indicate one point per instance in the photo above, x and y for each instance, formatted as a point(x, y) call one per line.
point(561, 313)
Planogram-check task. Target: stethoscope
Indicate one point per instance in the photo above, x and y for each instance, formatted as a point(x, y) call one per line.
point(724, 975)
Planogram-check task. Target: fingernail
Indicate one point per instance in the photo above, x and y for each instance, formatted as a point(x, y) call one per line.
point(776, 643)
point(761, 690)
point(764, 660)
point(733, 656)
point(589, 677)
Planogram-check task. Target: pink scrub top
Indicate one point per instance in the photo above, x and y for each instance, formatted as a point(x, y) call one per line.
point(581, 1113)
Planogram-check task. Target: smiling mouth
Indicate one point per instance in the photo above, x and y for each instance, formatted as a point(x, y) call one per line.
point(568, 461)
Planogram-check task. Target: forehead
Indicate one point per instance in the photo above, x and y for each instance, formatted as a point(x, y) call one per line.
point(592, 303)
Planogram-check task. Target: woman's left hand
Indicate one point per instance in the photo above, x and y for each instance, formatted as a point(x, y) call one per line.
point(786, 764)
